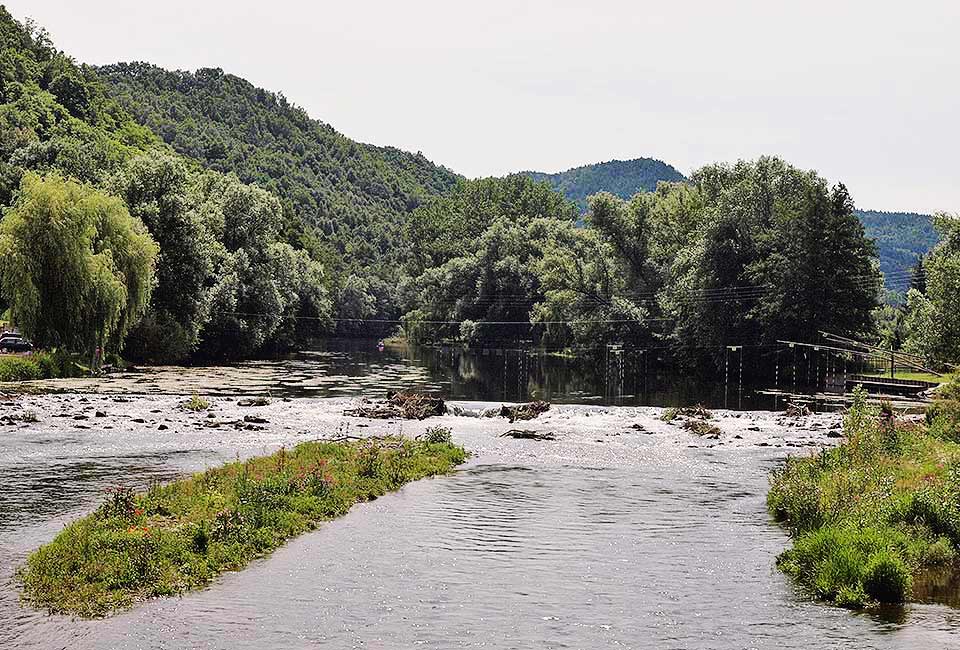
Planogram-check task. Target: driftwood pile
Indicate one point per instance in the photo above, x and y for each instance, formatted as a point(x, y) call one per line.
point(694, 419)
point(797, 410)
point(407, 405)
point(527, 411)
point(702, 428)
point(527, 434)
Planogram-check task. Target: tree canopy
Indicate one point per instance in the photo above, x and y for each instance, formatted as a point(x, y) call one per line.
point(77, 268)
point(933, 311)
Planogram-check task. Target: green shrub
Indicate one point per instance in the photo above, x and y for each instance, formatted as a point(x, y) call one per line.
point(935, 509)
point(195, 403)
point(852, 566)
point(49, 367)
point(943, 415)
point(438, 435)
point(17, 368)
point(943, 418)
point(886, 578)
point(940, 553)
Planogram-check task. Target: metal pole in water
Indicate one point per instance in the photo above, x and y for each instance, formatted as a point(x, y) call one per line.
point(726, 374)
point(740, 383)
point(794, 367)
point(776, 379)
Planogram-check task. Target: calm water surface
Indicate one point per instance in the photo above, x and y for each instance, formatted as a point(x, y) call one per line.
point(625, 377)
point(670, 548)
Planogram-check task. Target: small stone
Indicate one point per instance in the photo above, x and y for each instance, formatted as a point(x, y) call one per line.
point(163, 427)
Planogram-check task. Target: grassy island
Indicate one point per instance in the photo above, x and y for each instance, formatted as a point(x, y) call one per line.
point(178, 536)
point(872, 514)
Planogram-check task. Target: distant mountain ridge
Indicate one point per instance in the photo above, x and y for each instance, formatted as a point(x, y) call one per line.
point(902, 237)
point(621, 177)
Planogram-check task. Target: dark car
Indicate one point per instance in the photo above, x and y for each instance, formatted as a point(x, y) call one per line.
point(13, 342)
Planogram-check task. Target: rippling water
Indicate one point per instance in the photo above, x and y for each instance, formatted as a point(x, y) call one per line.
point(615, 539)
point(676, 553)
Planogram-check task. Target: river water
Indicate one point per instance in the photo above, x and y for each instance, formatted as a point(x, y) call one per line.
point(625, 532)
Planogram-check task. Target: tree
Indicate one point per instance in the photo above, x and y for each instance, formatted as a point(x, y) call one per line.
point(261, 284)
point(933, 316)
point(159, 190)
point(780, 256)
point(78, 269)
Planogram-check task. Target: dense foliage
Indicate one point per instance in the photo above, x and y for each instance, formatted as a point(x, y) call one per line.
point(741, 254)
point(902, 238)
point(179, 536)
point(342, 197)
point(932, 321)
point(363, 237)
point(232, 277)
point(870, 514)
point(624, 178)
point(77, 268)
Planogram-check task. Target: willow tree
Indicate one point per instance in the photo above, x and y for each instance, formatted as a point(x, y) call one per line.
point(77, 269)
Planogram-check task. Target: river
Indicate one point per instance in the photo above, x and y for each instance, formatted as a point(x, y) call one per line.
point(625, 532)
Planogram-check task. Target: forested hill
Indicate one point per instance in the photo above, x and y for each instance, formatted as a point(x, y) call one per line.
point(621, 177)
point(111, 240)
point(902, 239)
point(356, 194)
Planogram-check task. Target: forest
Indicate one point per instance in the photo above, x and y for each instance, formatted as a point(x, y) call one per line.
point(175, 216)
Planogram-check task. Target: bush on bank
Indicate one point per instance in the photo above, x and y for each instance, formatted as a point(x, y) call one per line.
point(179, 536)
point(868, 515)
point(39, 365)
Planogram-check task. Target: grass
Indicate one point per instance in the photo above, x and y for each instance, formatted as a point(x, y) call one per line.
point(914, 375)
point(177, 537)
point(869, 515)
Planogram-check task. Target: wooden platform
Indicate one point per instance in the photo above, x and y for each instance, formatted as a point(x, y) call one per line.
point(890, 386)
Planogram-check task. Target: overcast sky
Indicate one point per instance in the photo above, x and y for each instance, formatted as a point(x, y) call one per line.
point(865, 91)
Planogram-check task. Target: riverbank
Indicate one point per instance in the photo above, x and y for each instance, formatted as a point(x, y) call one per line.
point(872, 515)
point(177, 537)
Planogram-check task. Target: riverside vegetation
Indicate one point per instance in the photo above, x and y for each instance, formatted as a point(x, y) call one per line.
point(170, 216)
point(177, 537)
point(233, 225)
point(868, 516)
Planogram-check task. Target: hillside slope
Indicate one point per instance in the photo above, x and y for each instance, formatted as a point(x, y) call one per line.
point(621, 177)
point(902, 239)
point(357, 195)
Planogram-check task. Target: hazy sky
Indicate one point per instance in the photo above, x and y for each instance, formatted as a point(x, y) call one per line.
point(865, 91)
